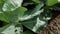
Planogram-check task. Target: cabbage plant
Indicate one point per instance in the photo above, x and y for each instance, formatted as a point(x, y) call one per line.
point(25, 16)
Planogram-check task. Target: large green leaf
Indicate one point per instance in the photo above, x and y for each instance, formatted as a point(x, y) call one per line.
point(11, 10)
point(9, 30)
point(37, 23)
point(12, 29)
point(31, 13)
point(11, 5)
point(12, 16)
point(51, 2)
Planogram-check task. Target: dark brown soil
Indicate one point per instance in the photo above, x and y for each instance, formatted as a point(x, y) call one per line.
point(53, 27)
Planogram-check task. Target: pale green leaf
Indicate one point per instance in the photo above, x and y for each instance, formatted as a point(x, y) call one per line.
point(9, 30)
point(36, 1)
point(11, 5)
point(51, 2)
point(12, 29)
point(59, 1)
point(19, 29)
